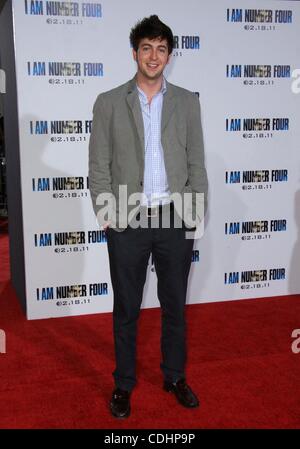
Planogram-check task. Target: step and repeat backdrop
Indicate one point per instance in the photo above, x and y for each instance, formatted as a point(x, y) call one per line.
point(243, 59)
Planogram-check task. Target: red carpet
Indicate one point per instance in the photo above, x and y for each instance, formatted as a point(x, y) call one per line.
point(56, 373)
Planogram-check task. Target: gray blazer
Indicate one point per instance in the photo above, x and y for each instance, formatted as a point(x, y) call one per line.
point(116, 147)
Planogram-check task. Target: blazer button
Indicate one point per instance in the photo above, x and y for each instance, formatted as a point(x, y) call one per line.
point(141, 183)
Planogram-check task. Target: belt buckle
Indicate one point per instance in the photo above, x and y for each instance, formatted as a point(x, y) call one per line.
point(154, 209)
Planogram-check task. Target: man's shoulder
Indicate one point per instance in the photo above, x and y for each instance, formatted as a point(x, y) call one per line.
point(181, 91)
point(115, 93)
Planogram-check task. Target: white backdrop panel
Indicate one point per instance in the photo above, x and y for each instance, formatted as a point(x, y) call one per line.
point(251, 245)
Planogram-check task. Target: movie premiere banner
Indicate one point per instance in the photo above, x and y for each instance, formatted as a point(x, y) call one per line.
point(241, 58)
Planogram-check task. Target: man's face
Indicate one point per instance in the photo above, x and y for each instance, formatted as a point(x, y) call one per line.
point(152, 57)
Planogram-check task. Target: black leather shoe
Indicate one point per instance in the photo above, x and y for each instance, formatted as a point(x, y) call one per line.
point(183, 393)
point(120, 403)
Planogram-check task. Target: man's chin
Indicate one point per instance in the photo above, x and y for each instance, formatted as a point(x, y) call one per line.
point(153, 76)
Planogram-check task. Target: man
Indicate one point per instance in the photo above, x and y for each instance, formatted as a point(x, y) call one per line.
point(147, 137)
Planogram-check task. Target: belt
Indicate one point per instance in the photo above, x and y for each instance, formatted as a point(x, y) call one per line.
point(155, 211)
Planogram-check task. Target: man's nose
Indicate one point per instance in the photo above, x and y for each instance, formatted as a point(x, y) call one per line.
point(154, 54)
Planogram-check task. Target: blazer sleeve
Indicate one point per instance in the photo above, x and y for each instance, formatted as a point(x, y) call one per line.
point(195, 153)
point(100, 154)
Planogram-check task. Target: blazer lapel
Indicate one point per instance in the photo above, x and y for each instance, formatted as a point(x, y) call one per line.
point(168, 109)
point(134, 104)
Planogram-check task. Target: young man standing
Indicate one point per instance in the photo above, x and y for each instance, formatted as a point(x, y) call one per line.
point(147, 138)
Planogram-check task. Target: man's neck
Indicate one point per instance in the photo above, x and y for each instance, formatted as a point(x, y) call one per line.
point(149, 87)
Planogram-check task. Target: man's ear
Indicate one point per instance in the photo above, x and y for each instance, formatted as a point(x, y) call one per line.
point(134, 54)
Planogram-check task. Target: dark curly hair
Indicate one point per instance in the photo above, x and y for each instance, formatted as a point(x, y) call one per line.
point(152, 28)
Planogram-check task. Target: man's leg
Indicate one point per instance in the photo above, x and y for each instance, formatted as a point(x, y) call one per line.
point(129, 253)
point(172, 254)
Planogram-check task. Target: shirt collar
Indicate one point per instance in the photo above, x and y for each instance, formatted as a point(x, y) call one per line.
point(162, 90)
